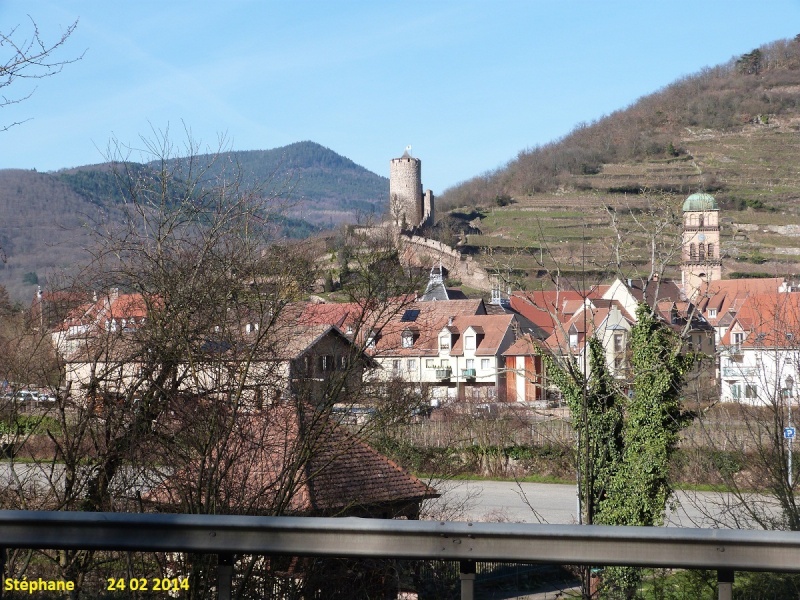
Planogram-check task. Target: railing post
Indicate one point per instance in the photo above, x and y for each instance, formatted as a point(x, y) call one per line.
point(725, 584)
point(224, 576)
point(467, 570)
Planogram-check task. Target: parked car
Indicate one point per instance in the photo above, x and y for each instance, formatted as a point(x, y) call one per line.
point(26, 396)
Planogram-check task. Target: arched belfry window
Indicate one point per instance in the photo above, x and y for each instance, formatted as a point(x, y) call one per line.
point(710, 251)
point(702, 251)
point(692, 251)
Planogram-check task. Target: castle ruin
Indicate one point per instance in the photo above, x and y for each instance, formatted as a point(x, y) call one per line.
point(410, 209)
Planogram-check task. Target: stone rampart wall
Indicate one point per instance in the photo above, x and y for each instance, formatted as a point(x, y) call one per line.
point(416, 249)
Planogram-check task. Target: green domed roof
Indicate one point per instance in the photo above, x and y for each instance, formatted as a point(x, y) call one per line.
point(700, 202)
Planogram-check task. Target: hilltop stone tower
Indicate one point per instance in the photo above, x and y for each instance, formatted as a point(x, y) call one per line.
point(700, 261)
point(409, 208)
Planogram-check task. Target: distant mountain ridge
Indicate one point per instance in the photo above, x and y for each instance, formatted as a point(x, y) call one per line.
point(44, 216)
point(319, 185)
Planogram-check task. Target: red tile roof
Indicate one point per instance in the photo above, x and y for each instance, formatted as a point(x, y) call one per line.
point(727, 295)
point(526, 345)
point(430, 319)
point(491, 331)
point(547, 308)
point(112, 308)
point(584, 324)
point(768, 320)
point(289, 459)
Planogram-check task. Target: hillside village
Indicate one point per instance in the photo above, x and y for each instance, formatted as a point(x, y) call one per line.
point(248, 395)
point(452, 349)
point(264, 374)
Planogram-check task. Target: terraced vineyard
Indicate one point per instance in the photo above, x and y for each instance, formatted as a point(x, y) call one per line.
point(732, 130)
point(754, 174)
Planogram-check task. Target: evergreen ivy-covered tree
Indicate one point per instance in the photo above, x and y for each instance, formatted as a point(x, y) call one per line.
point(597, 416)
point(625, 441)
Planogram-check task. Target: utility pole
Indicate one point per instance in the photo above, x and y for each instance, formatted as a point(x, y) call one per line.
point(789, 431)
point(585, 479)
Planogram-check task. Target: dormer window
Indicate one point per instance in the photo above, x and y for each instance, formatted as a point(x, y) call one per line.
point(573, 340)
point(712, 313)
point(407, 339)
point(469, 342)
point(444, 342)
point(738, 338)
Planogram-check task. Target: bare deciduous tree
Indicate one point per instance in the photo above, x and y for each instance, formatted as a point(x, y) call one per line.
point(27, 55)
point(185, 383)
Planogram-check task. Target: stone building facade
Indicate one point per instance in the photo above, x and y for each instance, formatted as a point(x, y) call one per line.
point(409, 207)
point(700, 260)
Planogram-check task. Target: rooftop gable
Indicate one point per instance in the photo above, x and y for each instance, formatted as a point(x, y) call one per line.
point(495, 333)
point(726, 296)
point(547, 308)
point(767, 320)
point(589, 321)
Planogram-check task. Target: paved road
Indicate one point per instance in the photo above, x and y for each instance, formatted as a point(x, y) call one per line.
point(554, 503)
point(501, 501)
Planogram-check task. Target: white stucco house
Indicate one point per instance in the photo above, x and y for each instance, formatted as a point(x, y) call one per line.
point(760, 351)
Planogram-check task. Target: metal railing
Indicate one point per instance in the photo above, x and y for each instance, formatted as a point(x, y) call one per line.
point(724, 550)
point(739, 371)
point(444, 373)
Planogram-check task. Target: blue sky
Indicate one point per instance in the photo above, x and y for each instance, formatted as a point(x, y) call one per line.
point(468, 84)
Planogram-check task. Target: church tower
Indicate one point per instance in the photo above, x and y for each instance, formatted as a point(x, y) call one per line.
point(700, 256)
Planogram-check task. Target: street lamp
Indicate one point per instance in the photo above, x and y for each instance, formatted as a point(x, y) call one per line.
point(789, 386)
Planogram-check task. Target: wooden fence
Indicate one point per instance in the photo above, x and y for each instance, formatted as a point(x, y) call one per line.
point(725, 435)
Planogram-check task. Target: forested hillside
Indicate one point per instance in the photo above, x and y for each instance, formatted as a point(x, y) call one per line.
point(315, 183)
point(45, 218)
point(43, 229)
